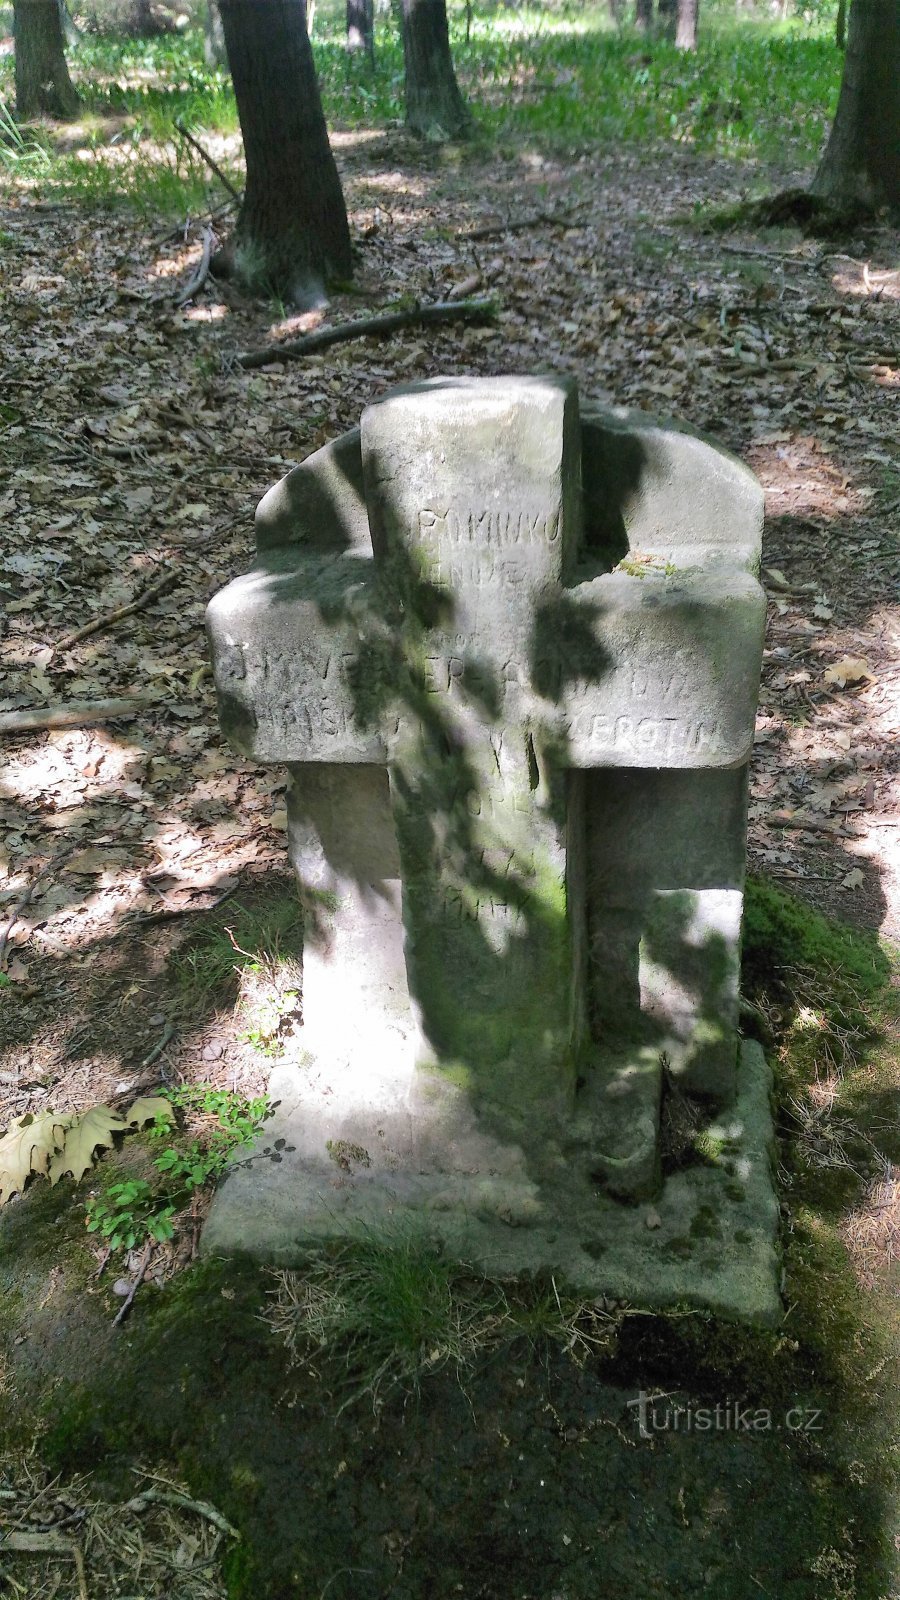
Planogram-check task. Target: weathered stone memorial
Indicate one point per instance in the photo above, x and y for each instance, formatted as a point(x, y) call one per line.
point(509, 653)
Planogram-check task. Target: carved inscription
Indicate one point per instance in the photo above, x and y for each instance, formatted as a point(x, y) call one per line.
point(498, 527)
point(668, 683)
point(664, 736)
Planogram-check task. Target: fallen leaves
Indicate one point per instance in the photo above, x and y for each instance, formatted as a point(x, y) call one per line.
point(848, 672)
point(51, 1145)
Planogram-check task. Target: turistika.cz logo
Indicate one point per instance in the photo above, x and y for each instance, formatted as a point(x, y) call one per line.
point(657, 1413)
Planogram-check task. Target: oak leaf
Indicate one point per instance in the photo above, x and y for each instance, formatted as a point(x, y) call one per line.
point(147, 1109)
point(848, 671)
point(29, 1145)
point(84, 1134)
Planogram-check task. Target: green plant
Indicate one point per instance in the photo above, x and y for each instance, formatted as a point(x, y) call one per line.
point(133, 1210)
point(127, 1213)
point(817, 982)
point(253, 943)
point(21, 152)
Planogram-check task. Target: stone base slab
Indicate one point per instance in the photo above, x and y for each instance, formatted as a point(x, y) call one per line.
point(707, 1239)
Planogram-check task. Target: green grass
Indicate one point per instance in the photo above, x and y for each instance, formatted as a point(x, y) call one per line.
point(389, 1313)
point(248, 940)
point(560, 76)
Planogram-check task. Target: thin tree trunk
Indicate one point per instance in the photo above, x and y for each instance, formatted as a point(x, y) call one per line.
point(214, 52)
point(434, 106)
point(840, 27)
point(686, 31)
point(861, 164)
point(666, 13)
point(71, 34)
point(643, 15)
point(43, 85)
point(292, 237)
point(361, 28)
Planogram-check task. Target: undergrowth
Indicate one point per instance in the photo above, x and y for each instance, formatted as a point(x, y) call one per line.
point(562, 75)
point(388, 1314)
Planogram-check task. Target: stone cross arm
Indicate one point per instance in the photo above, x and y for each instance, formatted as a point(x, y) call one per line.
point(636, 645)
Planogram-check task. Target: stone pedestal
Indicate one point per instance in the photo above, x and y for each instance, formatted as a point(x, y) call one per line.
point(510, 655)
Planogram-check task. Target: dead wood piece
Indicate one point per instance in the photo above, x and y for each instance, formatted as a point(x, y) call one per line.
point(202, 273)
point(37, 1544)
point(468, 286)
point(213, 166)
point(183, 1502)
point(111, 617)
point(77, 714)
point(389, 322)
point(167, 1034)
point(495, 230)
point(127, 1303)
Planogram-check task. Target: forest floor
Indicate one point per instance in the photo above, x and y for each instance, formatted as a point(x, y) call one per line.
point(135, 450)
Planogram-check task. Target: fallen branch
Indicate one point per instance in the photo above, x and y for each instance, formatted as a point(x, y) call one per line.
point(26, 898)
point(495, 230)
point(77, 714)
point(183, 1502)
point(209, 160)
point(127, 1303)
point(111, 617)
point(202, 273)
point(389, 322)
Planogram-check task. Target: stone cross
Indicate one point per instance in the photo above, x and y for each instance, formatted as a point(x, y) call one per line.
point(509, 653)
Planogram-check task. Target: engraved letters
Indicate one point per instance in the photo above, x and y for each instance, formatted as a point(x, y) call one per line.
point(457, 525)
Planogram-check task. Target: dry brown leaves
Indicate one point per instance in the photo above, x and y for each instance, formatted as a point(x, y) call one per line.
point(134, 446)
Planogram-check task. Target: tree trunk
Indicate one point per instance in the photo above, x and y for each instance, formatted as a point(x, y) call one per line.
point(840, 26)
point(361, 27)
point(43, 85)
point(643, 15)
point(71, 34)
point(292, 237)
point(214, 52)
point(861, 164)
point(666, 13)
point(144, 23)
point(434, 106)
point(686, 31)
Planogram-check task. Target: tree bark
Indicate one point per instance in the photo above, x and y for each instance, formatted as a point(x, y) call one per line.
point(43, 85)
point(840, 26)
point(686, 31)
point(666, 13)
point(292, 237)
point(361, 27)
point(434, 106)
point(643, 15)
point(861, 164)
point(214, 52)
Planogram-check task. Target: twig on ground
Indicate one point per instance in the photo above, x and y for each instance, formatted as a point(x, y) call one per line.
point(111, 617)
point(202, 273)
point(790, 256)
point(26, 898)
point(128, 1302)
point(213, 166)
point(494, 230)
point(167, 1034)
point(77, 714)
point(390, 322)
point(171, 1497)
